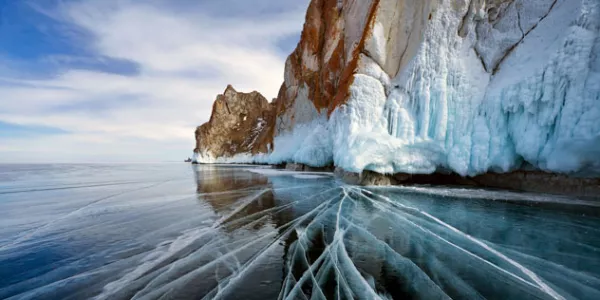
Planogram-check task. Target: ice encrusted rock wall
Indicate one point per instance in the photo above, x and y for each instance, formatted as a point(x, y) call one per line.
point(471, 86)
point(535, 102)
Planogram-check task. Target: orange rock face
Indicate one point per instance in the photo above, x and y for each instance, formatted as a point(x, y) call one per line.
point(320, 69)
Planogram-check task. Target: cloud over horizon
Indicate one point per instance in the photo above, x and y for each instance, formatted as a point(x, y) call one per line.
point(119, 80)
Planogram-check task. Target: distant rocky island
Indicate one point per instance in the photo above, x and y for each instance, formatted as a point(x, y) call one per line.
point(502, 93)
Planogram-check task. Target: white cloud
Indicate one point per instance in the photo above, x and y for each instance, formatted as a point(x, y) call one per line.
point(184, 58)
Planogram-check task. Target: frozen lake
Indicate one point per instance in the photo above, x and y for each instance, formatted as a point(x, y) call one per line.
point(175, 231)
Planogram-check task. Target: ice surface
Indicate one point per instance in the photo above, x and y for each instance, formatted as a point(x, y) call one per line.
point(236, 232)
point(298, 174)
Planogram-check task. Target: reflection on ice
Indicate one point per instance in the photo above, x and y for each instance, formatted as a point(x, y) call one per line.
point(289, 238)
point(282, 235)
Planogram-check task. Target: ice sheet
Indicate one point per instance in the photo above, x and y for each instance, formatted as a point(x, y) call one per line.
point(235, 232)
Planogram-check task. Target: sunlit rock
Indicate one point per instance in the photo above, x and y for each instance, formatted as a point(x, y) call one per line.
point(238, 124)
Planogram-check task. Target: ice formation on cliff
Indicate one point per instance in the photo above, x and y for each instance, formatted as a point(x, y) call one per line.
point(442, 112)
point(472, 97)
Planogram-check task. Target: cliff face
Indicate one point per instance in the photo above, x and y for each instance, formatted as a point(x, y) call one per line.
point(467, 86)
point(238, 124)
point(318, 72)
point(470, 86)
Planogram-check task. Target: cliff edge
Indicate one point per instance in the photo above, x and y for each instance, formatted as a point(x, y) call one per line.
point(467, 87)
point(238, 125)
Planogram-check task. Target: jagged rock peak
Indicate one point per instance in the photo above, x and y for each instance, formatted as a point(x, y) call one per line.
point(238, 124)
point(229, 89)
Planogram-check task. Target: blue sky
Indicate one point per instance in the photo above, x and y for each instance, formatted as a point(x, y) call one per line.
point(128, 80)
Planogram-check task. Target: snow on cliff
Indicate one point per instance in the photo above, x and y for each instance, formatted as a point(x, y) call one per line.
point(399, 86)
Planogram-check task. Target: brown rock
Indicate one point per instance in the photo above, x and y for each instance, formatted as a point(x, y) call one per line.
point(525, 181)
point(303, 167)
point(541, 182)
point(239, 124)
point(366, 178)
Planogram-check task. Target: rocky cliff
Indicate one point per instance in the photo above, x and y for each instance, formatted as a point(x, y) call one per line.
point(238, 125)
point(417, 87)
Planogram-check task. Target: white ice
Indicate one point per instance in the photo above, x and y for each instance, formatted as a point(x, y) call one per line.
point(268, 234)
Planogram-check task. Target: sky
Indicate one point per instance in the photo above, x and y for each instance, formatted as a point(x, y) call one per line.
point(129, 80)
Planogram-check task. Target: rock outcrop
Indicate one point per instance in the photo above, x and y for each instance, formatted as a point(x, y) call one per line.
point(238, 124)
point(468, 87)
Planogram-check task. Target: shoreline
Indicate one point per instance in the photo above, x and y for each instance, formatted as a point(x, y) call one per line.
point(516, 181)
